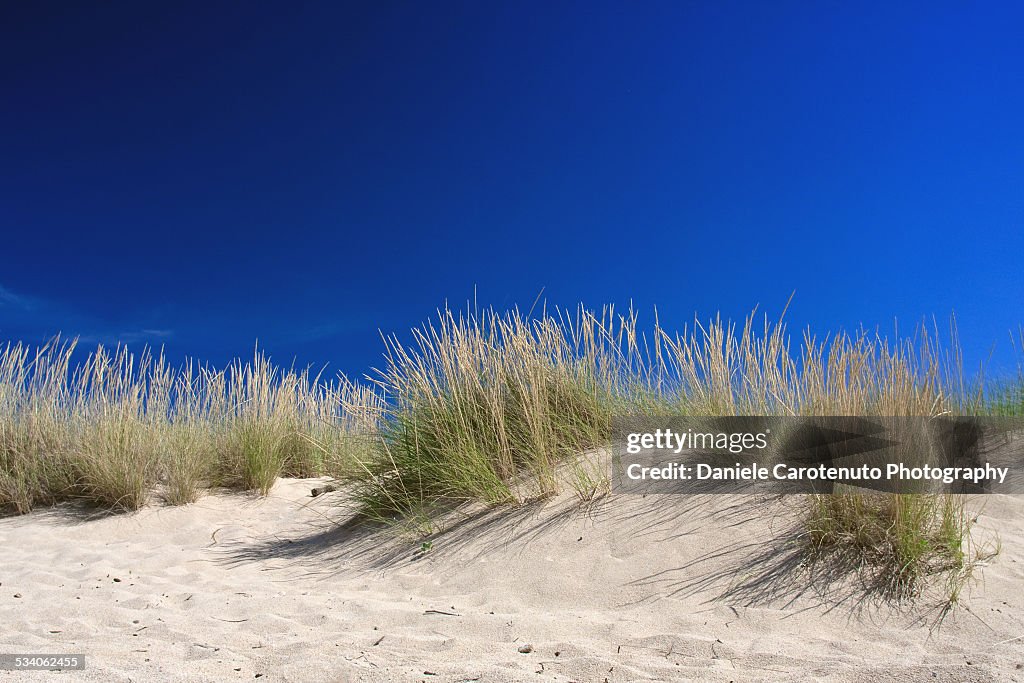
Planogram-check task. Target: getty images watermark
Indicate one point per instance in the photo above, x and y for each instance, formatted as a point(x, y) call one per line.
point(817, 454)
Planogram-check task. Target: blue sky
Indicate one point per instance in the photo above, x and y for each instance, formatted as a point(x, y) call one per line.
point(202, 175)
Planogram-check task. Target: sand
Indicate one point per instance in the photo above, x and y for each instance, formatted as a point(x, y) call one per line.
point(664, 588)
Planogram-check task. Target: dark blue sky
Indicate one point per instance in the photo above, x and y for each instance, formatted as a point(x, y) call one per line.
point(206, 174)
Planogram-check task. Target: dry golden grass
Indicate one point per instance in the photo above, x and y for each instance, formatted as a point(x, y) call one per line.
point(116, 427)
point(489, 406)
point(482, 406)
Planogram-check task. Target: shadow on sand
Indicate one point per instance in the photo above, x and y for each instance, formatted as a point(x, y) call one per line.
point(772, 568)
point(756, 537)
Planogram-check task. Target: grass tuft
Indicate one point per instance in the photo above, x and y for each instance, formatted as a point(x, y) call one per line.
point(901, 539)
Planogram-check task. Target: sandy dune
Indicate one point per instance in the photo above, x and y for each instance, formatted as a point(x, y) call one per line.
point(635, 589)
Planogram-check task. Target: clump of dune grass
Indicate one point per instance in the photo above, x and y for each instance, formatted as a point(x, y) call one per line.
point(500, 407)
point(256, 425)
point(484, 408)
point(35, 399)
point(288, 423)
point(187, 441)
point(267, 422)
point(116, 427)
point(112, 454)
point(899, 540)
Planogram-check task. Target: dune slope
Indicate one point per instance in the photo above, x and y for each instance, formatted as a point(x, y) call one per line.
point(632, 589)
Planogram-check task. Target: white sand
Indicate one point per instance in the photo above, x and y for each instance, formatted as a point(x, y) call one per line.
point(660, 588)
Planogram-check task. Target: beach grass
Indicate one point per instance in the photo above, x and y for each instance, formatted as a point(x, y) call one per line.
point(483, 407)
point(899, 539)
point(500, 408)
point(116, 428)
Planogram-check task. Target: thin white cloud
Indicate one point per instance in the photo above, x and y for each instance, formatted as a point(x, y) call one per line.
point(147, 336)
point(9, 298)
point(30, 318)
